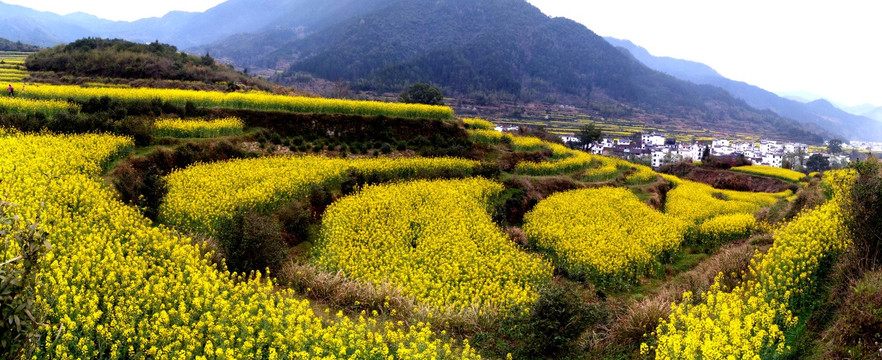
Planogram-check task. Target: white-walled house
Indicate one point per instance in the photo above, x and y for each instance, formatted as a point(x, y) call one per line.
point(690, 152)
point(658, 157)
point(767, 147)
point(721, 151)
point(794, 147)
point(765, 152)
point(721, 143)
point(652, 140)
point(773, 160)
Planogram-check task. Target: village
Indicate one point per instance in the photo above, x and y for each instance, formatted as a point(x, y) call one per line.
point(657, 150)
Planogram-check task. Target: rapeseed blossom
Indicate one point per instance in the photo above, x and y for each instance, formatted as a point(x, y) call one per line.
point(113, 286)
point(198, 128)
point(238, 100)
point(436, 241)
point(606, 234)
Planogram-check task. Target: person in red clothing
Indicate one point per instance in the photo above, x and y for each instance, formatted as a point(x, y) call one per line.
point(11, 90)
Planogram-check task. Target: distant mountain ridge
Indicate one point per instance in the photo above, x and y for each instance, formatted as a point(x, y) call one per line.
point(819, 112)
point(506, 48)
point(487, 49)
point(807, 97)
point(182, 29)
point(875, 114)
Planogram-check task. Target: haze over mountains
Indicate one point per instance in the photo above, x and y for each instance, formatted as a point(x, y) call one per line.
point(817, 111)
point(485, 49)
point(182, 29)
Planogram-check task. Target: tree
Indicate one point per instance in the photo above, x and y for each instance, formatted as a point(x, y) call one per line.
point(817, 163)
point(421, 93)
point(207, 60)
point(796, 159)
point(706, 154)
point(588, 134)
point(834, 146)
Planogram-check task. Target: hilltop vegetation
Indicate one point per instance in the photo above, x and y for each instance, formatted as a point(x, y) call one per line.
point(6, 45)
point(116, 60)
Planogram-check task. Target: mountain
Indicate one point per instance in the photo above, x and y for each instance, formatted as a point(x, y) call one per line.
point(818, 112)
point(39, 27)
point(181, 29)
point(862, 109)
point(263, 46)
point(682, 69)
point(875, 114)
point(503, 49)
point(865, 110)
point(801, 96)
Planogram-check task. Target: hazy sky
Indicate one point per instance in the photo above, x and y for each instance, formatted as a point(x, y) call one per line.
point(830, 48)
point(117, 9)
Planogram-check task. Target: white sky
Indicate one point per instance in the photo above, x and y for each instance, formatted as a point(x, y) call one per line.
point(117, 9)
point(830, 48)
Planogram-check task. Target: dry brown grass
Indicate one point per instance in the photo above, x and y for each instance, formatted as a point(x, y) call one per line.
point(517, 236)
point(636, 319)
point(340, 292)
point(337, 291)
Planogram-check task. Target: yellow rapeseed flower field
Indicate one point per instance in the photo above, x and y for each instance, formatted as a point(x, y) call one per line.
point(485, 136)
point(564, 160)
point(436, 241)
point(479, 124)
point(115, 287)
point(728, 214)
point(202, 198)
point(752, 320)
point(526, 143)
point(779, 173)
point(606, 234)
point(198, 128)
point(29, 106)
point(725, 228)
point(238, 100)
point(592, 167)
point(696, 202)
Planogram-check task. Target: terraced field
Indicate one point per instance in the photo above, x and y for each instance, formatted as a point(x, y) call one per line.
point(466, 252)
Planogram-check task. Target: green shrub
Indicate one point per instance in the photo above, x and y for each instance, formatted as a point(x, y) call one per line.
point(556, 321)
point(20, 317)
point(253, 241)
point(296, 218)
point(865, 212)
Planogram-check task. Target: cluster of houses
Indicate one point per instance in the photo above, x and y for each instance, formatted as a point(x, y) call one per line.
point(659, 150)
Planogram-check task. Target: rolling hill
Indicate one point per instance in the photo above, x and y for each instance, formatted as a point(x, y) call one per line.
point(6, 45)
